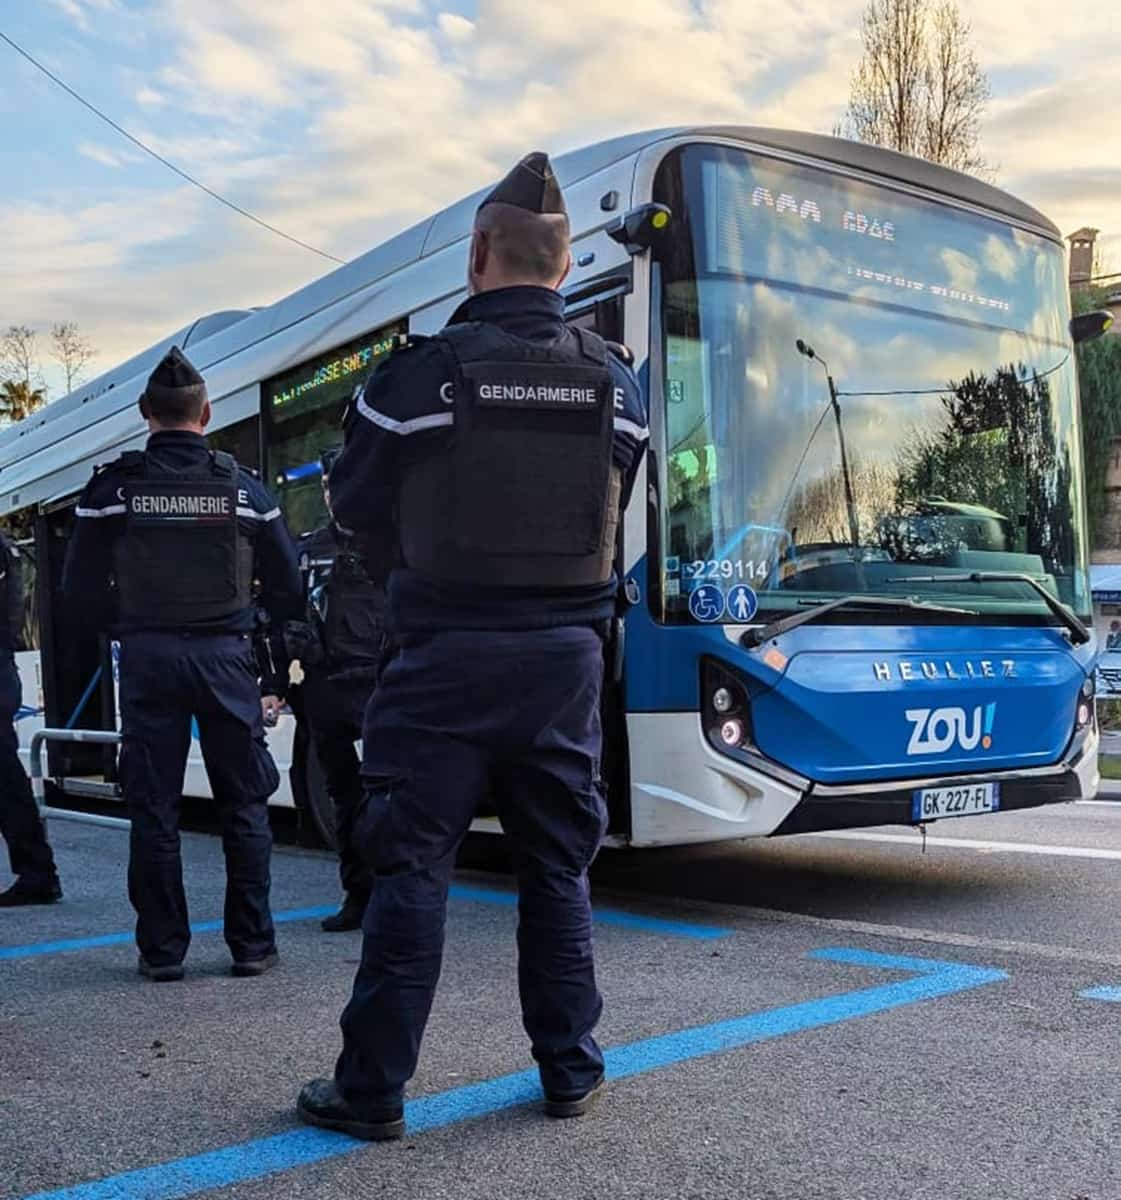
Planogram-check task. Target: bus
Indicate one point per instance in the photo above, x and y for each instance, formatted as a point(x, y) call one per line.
point(855, 557)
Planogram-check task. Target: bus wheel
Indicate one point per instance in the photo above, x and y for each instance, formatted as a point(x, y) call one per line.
point(309, 787)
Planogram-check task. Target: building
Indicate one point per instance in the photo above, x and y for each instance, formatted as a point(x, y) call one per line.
point(1085, 272)
point(1083, 249)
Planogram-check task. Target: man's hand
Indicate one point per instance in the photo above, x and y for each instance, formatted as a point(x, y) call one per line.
point(270, 710)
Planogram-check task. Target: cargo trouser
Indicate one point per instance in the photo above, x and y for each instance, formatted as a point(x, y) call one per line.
point(458, 717)
point(28, 850)
point(165, 680)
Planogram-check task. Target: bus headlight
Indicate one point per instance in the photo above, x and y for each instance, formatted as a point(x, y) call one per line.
point(725, 707)
point(732, 732)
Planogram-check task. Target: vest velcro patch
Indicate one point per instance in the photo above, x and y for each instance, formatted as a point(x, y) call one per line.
point(557, 387)
point(179, 503)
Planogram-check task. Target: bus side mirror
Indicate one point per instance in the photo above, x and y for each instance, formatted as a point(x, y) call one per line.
point(1087, 326)
point(640, 228)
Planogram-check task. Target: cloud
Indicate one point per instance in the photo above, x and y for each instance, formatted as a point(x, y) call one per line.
point(961, 270)
point(71, 9)
point(78, 11)
point(346, 128)
point(106, 156)
point(1058, 146)
point(128, 270)
point(1000, 258)
point(456, 27)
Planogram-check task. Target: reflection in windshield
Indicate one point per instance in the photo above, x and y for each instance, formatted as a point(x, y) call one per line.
point(955, 405)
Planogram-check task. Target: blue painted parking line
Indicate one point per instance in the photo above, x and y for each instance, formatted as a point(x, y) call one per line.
point(478, 895)
point(35, 949)
point(603, 916)
point(301, 1147)
point(1111, 995)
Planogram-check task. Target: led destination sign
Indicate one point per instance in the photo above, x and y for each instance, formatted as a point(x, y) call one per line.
point(790, 224)
point(329, 378)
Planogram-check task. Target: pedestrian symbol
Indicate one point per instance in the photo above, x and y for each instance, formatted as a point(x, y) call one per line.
point(742, 602)
point(706, 603)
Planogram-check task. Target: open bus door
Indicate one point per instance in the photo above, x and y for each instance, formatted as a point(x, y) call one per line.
point(77, 668)
point(600, 308)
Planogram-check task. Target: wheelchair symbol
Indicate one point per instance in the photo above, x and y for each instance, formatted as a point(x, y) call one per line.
point(706, 603)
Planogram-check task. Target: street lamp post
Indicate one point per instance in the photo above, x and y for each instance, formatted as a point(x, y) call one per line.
point(850, 497)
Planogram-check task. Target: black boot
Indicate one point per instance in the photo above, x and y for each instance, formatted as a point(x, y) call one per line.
point(161, 973)
point(321, 1103)
point(348, 917)
point(25, 891)
point(557, 1105)
point(247, 968)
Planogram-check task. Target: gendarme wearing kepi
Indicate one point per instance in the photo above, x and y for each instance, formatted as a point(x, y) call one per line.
point(166, 546)
point(530, 185)
point(483, 474)
point(174, 381)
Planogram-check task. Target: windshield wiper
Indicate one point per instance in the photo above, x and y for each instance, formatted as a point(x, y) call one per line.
point(756, 637)
point(1079, 634)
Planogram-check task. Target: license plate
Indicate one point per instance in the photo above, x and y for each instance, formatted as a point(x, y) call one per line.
point(935, 804)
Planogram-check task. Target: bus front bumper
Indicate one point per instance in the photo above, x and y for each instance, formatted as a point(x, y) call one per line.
point(823, 808)
point(707, 797)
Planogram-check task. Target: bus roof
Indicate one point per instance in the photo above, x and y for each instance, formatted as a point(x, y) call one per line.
point(217, 338)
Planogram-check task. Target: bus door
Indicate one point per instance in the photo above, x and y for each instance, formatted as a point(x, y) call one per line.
point(77, 667)
point(601, 310)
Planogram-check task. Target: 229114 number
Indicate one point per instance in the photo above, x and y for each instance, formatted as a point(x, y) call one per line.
point(726, 568)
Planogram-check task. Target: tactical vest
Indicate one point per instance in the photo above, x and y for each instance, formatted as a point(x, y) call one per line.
point(351, 612)
point(182, 558)
point(524, 492)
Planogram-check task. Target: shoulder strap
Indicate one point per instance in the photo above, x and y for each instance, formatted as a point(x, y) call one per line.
point(592, 346)
point(460, 338)
point(132, 462)
point(223, 463)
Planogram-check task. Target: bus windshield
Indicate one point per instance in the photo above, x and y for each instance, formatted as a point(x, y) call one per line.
point(865, 391)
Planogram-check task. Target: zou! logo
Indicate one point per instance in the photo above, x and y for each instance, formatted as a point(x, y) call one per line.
point(937, 730)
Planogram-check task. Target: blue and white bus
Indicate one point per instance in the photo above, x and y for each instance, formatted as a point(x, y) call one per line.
point(857, 548)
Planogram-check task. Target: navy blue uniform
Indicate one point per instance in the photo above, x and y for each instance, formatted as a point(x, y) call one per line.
point(338, 681)
point(493, 689)
point(173, 671)
point(28, 851)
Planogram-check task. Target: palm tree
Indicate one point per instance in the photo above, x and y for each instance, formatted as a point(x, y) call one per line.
point(18, 399)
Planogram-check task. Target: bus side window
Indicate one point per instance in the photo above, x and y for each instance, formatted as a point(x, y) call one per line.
point(242, 440)
point(302, 416)
point(604, 317)
point(20, 529)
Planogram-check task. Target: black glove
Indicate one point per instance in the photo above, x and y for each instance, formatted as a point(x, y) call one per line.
point(302, 642)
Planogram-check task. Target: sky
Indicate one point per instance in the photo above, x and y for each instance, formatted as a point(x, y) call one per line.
point(344, 121)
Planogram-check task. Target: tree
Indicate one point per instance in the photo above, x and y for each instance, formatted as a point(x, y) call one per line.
point(18, 400)
point(997, 448)
point(72, 350)
point(918, 87)
point(1099, 385)
point(19, 357)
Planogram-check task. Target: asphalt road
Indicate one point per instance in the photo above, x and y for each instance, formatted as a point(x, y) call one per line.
point(941, 1048)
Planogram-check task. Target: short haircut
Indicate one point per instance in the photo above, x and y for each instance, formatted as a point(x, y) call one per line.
point(175, 406)
point(527, 245)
